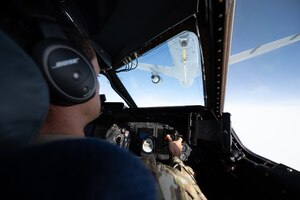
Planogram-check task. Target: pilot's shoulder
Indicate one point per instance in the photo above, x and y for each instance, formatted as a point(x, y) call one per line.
point(176, 183)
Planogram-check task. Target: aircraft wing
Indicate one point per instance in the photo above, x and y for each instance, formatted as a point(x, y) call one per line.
point(263, 48)
point(157, 69)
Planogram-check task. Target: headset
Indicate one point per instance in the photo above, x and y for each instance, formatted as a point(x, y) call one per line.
point(70, 75)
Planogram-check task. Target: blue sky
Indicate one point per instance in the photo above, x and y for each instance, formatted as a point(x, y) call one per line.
point(260, 21)
point(263, 93)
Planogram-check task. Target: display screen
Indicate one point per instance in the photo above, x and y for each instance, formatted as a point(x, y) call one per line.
point(145, 132)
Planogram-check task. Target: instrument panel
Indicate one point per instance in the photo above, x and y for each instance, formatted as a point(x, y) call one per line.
point(143, 130)
point(146, 137)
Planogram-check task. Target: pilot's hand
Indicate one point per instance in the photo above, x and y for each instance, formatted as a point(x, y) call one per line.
point(175, 147)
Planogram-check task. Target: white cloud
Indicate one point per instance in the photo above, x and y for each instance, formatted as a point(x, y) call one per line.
point(270, 130)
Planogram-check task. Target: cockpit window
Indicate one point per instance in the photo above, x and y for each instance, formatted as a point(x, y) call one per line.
point(169, 75)
point(263, 94)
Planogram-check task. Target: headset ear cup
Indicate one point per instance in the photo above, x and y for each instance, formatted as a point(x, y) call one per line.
point(70, 76)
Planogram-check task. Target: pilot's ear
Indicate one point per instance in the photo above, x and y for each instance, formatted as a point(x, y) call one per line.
point(70, 75)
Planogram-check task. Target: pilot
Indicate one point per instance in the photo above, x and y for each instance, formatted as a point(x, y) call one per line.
point(68, 122)
point(175, 181)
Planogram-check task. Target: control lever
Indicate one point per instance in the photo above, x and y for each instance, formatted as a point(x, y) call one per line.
point(174, 135)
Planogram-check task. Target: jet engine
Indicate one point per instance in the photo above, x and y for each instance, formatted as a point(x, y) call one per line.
point(155, 78)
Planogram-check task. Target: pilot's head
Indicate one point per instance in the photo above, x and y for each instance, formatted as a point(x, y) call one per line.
point(88, 109)
point(69, 63)
point(75, 99)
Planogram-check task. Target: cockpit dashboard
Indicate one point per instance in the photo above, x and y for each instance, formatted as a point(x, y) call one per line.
point(143, 130)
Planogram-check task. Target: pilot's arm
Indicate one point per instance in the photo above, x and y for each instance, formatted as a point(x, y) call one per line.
point(186, 172)
point(175, 150)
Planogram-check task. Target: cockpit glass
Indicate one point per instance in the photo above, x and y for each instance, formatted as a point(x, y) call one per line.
point(262, 93)
point(169, 75)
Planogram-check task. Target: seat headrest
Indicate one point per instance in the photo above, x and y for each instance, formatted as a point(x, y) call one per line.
point(24, 99)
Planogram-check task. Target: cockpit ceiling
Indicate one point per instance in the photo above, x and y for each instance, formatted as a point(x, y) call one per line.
point(124, 26)
point(119, 27)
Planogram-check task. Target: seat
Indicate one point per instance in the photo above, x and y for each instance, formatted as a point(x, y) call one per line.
point(67, 169)
point(24, 100)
